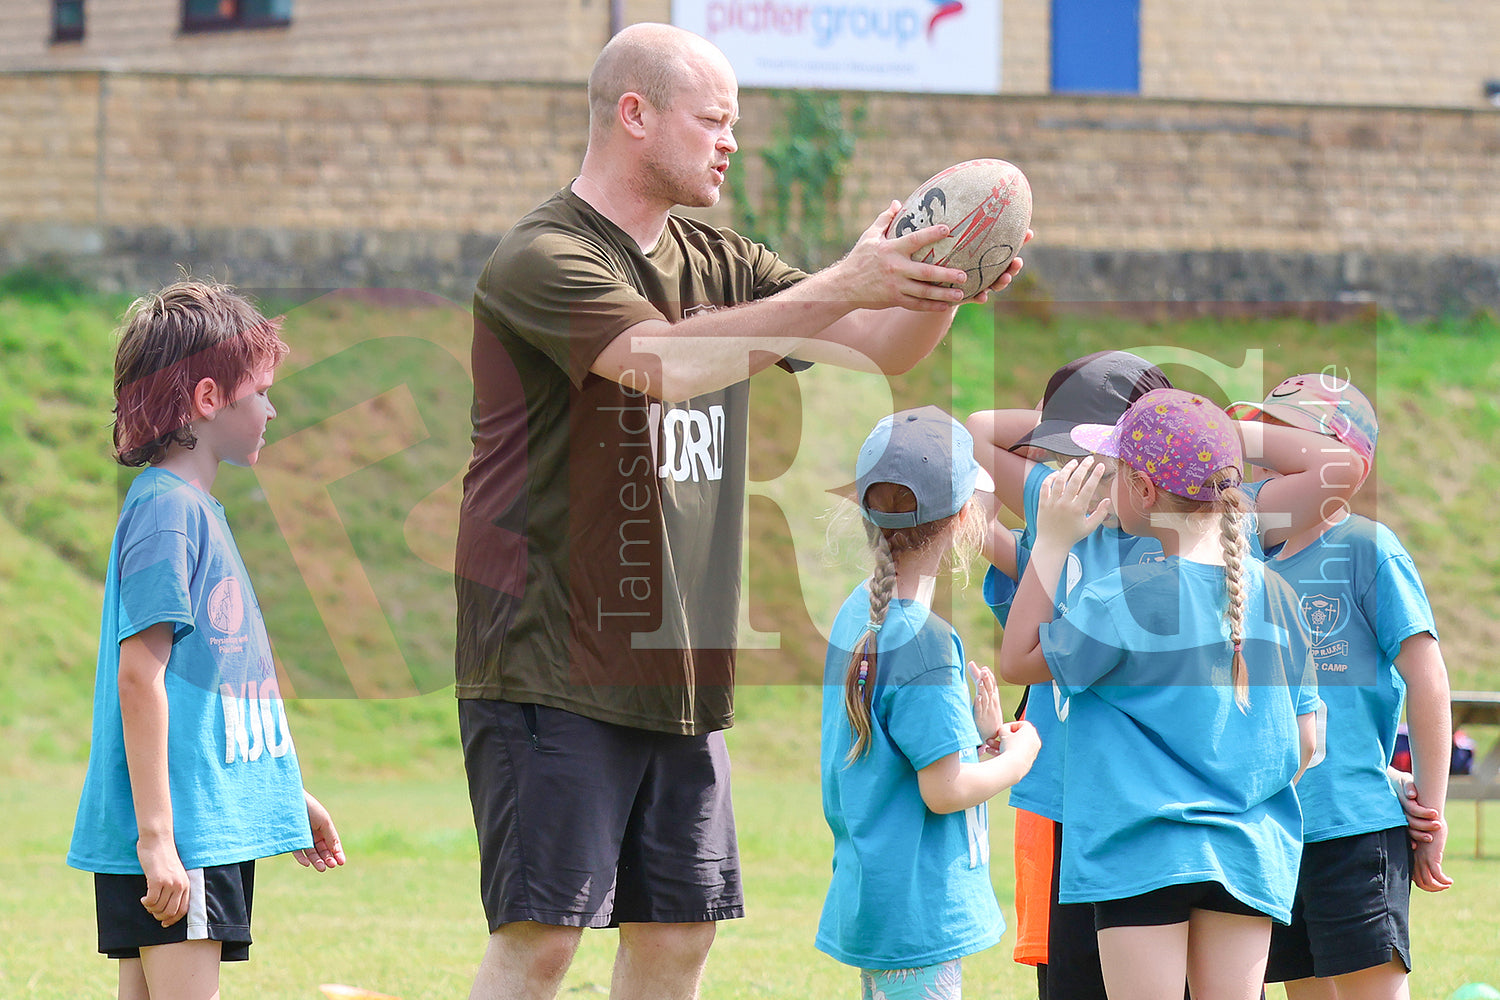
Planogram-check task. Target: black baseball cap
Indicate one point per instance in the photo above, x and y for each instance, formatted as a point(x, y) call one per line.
point(1094, 389)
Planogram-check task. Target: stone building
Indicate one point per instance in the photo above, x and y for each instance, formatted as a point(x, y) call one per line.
point(1271, 151)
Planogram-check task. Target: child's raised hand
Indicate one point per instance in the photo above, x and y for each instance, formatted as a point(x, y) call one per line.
point(1063, 516)
point(988, 714)
point(326, 851)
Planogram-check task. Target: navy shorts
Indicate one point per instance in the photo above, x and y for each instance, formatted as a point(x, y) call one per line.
point(219, 901)
point(1351, 911)
point(586, 824)
point(1172, 904)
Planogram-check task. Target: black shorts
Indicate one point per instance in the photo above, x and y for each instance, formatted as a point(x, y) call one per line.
point(586, 824)
point(218, 910)
point(1353, 898)
point(1171, 904)
point(1073, 971)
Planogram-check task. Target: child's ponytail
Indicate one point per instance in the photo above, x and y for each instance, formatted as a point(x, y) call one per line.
point(859, 678)
point(962, 536)
point(1233, 510)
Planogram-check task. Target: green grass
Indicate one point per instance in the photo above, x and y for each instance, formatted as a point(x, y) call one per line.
point(347, 526)
point(403, 916)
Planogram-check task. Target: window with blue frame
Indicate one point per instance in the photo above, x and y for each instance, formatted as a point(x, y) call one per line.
point(213, 15)
point(67, 20)
point(1096, 46)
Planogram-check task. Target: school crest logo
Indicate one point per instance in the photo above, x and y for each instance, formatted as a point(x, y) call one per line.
point(1322, 615)
point(226, 606)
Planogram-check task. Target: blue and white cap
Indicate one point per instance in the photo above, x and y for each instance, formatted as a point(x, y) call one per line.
point(929, 453)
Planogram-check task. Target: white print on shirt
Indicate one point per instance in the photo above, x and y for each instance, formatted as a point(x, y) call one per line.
point(978, 818)
point(254, 721)
point(1322, 615)
point(692, 442)
point(226, 606)
point(1072, 577)
point(226, 612)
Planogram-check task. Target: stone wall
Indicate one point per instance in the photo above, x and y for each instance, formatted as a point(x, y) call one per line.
point(324, 182)
point(1421, 53)
point(479, 39)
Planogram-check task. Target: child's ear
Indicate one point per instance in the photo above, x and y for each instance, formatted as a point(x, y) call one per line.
point(207, 399)
point(1145, 489)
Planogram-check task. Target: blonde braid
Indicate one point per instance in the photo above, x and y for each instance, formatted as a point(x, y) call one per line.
point(1236, 547)
point(859, 690)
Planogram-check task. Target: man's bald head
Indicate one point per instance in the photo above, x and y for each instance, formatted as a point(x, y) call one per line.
point(653, 60)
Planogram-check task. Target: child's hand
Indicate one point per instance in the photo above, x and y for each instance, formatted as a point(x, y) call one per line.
point(1421, 821)
point(166, 896)
point(1063, 516)
point(988, 714)
point(326, 851)
point(1427, 862)
point(1020, 739)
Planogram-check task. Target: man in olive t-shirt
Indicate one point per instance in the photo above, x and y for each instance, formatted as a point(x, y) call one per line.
point(609, 508)
point(599, 539)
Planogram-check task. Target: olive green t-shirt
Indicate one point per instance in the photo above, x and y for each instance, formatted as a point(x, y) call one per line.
point(598, 564)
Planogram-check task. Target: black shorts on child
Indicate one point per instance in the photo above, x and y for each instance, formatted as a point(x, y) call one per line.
point(586, 824)
point(218, 910)
point(1351, 911)
point(1171, 904)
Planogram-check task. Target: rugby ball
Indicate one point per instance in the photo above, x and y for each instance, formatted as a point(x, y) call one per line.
point(986, 205)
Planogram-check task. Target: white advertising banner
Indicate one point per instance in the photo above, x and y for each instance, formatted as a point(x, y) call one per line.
point(934, 46)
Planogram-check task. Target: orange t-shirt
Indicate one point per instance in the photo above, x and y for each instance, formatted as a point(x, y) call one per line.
point(1034, 861)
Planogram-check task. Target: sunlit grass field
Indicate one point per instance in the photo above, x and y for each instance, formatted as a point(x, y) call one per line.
point(403, 917)
point(347, 527)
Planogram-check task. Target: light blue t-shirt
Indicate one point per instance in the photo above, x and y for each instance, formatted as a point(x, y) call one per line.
point(910, 887)
point(1360, 596)
point(1103, 552)
point(1168, 781)
point(235, 784)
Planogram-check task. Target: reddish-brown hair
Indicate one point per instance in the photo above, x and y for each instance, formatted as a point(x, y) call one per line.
point(169, 342)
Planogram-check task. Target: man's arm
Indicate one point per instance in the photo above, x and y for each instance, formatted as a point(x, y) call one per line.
point(874, 310)
point(894, 339)
point(143, 713)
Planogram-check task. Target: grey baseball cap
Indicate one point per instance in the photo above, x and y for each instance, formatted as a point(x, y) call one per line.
point(929, 453)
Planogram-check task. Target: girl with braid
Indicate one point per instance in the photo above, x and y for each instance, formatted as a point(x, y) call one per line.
point(908, 762)
point(1192, 706)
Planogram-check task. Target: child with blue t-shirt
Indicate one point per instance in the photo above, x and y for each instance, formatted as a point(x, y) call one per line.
point(1375, 645)
point(1191, 706)
point(192, 774)
point(1012, 445)
point(908, 762)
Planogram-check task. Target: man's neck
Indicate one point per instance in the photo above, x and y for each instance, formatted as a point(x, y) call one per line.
point(641, 222)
